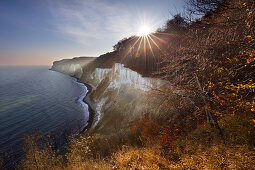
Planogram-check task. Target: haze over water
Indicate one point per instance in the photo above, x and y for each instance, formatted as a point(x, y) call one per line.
point(36, 97)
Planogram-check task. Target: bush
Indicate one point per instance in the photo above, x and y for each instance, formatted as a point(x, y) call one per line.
point(39, 153)
point(133, 158)
point(145, 129)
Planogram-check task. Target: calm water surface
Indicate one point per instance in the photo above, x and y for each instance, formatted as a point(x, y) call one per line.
point(35, 97)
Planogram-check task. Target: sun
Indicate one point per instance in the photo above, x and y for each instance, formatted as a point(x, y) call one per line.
point(144, 30)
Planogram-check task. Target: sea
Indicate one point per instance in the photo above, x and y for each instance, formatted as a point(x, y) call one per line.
point(34, 98)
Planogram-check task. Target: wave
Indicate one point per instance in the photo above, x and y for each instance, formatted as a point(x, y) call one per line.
point(80, 100)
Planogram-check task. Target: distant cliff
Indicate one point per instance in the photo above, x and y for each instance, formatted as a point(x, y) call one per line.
point(73, 67)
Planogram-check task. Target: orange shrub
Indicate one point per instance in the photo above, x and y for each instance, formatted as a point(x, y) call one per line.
point(167, 135)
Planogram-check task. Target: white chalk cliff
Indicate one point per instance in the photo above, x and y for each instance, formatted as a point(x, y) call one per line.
point(118, 75)
point(118, 92)
point(70, 69)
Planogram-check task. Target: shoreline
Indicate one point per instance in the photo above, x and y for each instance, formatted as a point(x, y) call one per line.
point(91, 108)
point(86, 100)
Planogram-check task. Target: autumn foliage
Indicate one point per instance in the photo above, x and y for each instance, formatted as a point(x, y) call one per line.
point(214, 61)
point(210, 65)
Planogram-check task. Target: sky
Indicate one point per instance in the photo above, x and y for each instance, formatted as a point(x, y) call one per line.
point(38, 32)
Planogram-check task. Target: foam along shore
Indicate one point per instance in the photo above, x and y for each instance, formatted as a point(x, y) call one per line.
point(85, 102)
point(87, 105)
point(93, 115)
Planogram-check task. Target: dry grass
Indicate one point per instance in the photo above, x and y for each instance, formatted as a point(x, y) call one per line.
point(202, 148)
point(143, 158)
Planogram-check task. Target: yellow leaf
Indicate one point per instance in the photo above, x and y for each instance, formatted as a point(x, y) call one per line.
point(248, 36)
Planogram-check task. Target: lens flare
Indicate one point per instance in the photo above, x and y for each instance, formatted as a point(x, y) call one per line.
point(144, 30)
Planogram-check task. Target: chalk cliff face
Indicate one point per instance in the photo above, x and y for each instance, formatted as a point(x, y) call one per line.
point(120, 94)
point(118, 76)
point(121, 84)
point(73, 67)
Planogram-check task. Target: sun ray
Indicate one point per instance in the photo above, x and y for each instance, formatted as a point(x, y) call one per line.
point(156, 44)
point(163, 41)
point(136, 41)
point(133, 37)
point(150, 46)
point(144, 52)
point(131, 48)
point(163, 33)
point(133, 45)
point(144, 46)
point(138, 48)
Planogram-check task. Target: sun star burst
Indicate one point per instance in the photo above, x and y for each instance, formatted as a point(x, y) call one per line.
point(144, 30)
